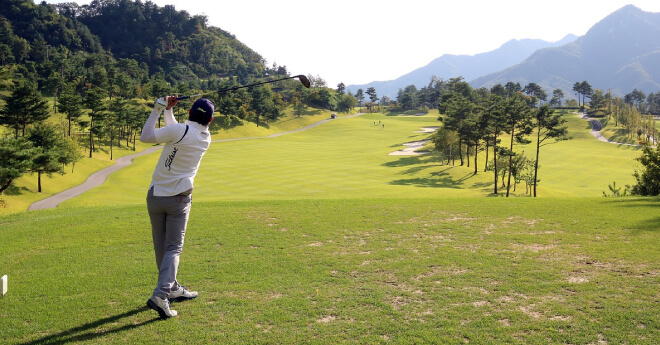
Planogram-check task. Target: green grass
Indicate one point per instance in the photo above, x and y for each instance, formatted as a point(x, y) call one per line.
point(321, 237)
point(584, 166)
point(349, 158)
point(346, 158)
point(24, 191)
point(404, 271)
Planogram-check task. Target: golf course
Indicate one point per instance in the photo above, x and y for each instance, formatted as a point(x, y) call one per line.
point(322, 236)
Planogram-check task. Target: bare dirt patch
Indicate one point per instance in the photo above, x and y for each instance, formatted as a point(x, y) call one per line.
point(327, 319)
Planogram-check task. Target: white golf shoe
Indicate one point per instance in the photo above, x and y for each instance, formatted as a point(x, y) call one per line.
point(182, 294)
point(162, 306)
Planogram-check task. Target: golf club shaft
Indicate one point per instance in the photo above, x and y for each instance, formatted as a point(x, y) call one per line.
point(301, 77)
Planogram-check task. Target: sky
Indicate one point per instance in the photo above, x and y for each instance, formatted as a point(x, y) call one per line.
point(360, 41)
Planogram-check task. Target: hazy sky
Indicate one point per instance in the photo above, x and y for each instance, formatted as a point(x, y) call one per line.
point(356, 42)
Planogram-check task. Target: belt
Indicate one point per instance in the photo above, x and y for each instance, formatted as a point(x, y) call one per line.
point(184, 193)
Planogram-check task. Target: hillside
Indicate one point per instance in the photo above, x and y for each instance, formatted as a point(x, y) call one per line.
point(468, 66)
point(620, 53)
point(70, 39)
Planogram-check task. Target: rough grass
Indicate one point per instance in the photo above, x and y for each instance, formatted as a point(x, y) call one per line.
point(477, 270)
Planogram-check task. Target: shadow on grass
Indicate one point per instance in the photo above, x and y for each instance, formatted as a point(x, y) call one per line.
point(15, 190)
point(91, 331)
point(652, 223)
point(440, 179)
point(410, 160)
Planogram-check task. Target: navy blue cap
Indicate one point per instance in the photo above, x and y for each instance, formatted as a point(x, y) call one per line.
point(202, 109)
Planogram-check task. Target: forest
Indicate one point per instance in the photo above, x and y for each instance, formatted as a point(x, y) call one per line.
point(104, 64)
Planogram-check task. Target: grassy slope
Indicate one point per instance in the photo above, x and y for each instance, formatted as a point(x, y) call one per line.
point(324, 162)
point(25, 193)
point(340, 159)
point(348, 158)
point(584, 166)
point(483, 270)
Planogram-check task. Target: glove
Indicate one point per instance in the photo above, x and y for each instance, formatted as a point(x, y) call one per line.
point(160, 105)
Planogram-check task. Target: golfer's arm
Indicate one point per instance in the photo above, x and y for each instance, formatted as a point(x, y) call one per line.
point(168, 115)
point(147, 135)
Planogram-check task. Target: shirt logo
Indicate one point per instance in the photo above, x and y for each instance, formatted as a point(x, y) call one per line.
point(170, 159)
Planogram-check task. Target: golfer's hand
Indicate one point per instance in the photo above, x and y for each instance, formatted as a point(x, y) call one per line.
point(160, 105)
point(171, 101)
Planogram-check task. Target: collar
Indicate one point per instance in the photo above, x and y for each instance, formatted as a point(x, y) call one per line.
point(197, 126)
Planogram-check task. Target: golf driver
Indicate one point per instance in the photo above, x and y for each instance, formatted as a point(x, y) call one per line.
point(300, 77)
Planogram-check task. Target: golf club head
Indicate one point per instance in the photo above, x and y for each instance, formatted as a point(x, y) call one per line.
point(303, 80)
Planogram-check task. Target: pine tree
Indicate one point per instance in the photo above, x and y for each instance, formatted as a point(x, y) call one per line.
point(23, 107)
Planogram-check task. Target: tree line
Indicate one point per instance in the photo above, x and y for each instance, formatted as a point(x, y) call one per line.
point(103, 91)
point(636, 112)
point(478, 120)
point(493, 121)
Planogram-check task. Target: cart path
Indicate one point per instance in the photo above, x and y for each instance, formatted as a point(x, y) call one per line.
point(98, 178)
point(596, 127)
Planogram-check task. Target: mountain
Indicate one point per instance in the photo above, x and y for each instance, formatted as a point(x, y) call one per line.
point(468, 66)
point(620, 53)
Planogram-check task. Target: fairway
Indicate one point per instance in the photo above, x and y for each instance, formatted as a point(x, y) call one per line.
point(349, 158)
point(343, 158)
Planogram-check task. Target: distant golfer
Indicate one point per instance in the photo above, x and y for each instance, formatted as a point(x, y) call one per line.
point(170, 193)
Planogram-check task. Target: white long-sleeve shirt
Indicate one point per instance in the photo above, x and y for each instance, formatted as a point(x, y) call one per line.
point(181, 155)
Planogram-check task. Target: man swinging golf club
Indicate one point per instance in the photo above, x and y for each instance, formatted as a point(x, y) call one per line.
point(170, 193)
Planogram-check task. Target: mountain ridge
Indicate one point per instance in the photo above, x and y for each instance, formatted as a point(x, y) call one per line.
point(619, 53)
point(468, 66)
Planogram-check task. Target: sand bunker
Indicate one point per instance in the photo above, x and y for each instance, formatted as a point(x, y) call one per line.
point(428, 129)
point(410, 149)
point(414, 145)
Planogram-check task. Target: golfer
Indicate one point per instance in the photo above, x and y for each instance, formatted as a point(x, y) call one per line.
point(170, 194)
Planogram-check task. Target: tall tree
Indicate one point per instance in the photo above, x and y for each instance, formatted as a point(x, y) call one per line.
point(23, 107)
point(557, 95)
point(70, 103)
point(16, 160)
point(341, 89)
point(498, 90)
point(359, 95)
point(548, 125)
point(95, 101)
point(371, 91)
point(512, 88)
point(597, 100)
point(584, 90)
point(536, 91)
point(114, 120)
point(494, 117)
point(51, 151)
point(263, 105)
point(518, 121)
point(458, 110)
point(636, 98)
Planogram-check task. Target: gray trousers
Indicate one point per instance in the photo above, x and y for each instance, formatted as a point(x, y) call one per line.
point(169, 217)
